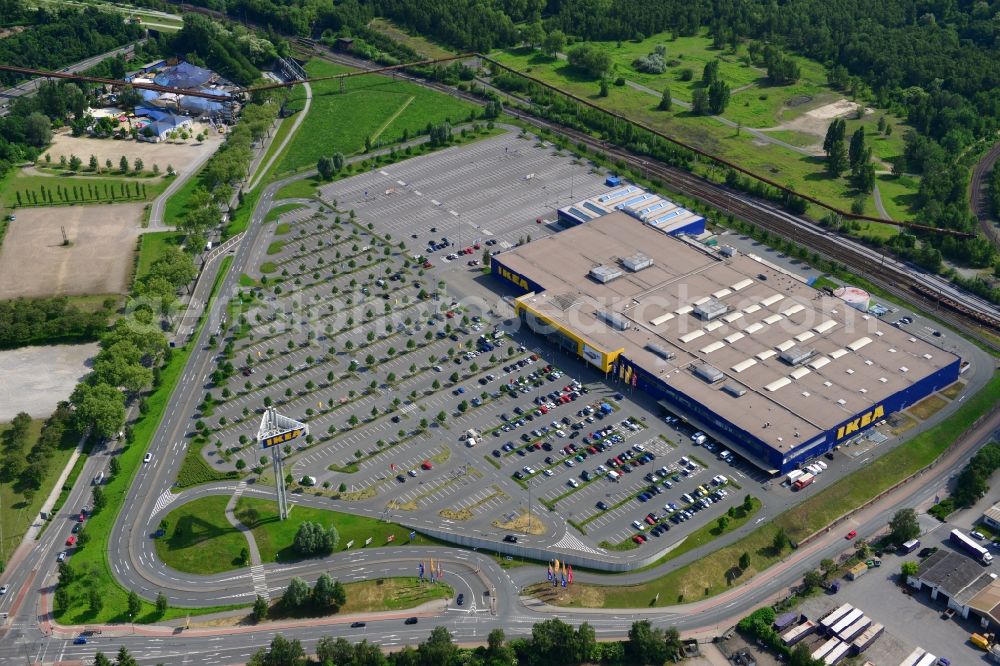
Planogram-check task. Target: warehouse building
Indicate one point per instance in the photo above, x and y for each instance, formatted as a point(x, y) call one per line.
point(963, 584)
point(773, 369)
point(646, 207)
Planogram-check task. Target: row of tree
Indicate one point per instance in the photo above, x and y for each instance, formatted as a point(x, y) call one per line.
point(25, 467)
point(54, 320)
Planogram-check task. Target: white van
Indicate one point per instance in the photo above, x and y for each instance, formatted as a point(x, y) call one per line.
point(613, 476)
point(99, 479)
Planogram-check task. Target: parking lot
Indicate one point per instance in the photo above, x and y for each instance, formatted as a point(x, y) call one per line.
point(426, 401)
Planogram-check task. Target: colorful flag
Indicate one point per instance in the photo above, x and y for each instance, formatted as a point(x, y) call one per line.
point(564, 581)
point(557, 567)
point(420, 569)
point(635, 379)
point(413, 535)
point(392, 537)
point(569, 568)
point(550, 572)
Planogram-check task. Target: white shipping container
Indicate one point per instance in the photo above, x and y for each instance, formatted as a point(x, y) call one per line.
point(794, 474)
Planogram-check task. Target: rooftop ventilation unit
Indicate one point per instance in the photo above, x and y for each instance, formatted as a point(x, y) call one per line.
point(796, 355)
point(710, 309)
point(605, 274)
point(734, 390)
point(709, 373)
point(660, 351)
point(616, 322)
point(637, 262)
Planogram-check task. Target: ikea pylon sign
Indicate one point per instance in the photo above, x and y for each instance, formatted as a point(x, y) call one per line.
point(281, 438)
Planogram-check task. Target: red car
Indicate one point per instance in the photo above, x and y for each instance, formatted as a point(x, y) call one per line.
point(477, 246)
point(639, 539)
point(71, 541)
point(468, 250)
point(851, 535)
point(428, 264)
point(425, 465)
point(82, 517)
point(449, 314)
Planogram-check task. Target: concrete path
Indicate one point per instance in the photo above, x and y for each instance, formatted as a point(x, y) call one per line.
point(299, 117)
point(256, 564)
point(878, 203)
point(160, 203)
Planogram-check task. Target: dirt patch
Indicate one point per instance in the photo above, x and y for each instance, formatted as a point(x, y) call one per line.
point(34, 261)
point(456, 514)
point(927, 407)
point(35, 379)
point(178, 155)
point(798, 100)
point(902, 424)
point(952, 391)
point(520, 523)
point(815, 121)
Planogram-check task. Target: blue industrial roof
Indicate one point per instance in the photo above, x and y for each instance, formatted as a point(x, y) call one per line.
point(151, 112)
point(184, 75)
point(594, 207)
point(576, 212)
point(639, 199)
point(618, 193)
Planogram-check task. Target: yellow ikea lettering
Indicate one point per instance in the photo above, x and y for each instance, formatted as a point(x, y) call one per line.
point(862, 421)
point(516, 279)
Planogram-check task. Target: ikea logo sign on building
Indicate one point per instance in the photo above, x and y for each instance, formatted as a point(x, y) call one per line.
point(513, 277)
point(281, 438)
point(862, 421)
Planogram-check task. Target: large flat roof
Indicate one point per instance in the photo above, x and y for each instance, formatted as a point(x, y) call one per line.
point(853, 361)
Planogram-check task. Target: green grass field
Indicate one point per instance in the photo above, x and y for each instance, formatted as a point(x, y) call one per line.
point(334, 125)
point(152, 246)
point(707, 577)
point(369, 596)
point(274, 537)
point(199, 539)
point(92, 189)
point(278, 211)
point(177, 205)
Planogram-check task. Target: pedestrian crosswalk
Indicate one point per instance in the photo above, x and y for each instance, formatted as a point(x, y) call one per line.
point(259, 582)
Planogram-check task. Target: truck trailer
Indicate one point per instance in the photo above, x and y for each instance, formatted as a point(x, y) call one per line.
point(870, 635)
point(833, 616)
point(913, 657)
point(836, 654)
point(825, 648)
point(971, 547)
point(796, 634)
point(854, 629)
point(846, 621)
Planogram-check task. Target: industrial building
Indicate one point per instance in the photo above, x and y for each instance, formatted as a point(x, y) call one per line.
point(652, 209)
point(753, 356)
point(967, 587)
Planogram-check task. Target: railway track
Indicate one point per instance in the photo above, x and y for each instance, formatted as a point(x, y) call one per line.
point(892, 276)
point(977, 194)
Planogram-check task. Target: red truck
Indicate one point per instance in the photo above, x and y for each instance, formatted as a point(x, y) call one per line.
point(804, 481)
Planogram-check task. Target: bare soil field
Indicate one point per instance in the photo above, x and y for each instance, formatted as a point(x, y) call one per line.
point(34, 262)
point(815, 121)
point(178, 155)
point(35, 379)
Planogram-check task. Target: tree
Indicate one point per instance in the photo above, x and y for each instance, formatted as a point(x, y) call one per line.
point(93, 163)
point(260, 609)
point(909, 568)
point(123, 164)
point(744, 561)
point(282, 652)
point(590, 59)
point(646, 644)
point(123, 658)
point(666, 101)
point(100, 407)
point(134, 605)
point(75, 163)
point(904, 526)
point(325, 167)
point(833, 146)
point(710, 74)
point(802, 656)
point(339, 594)
point(864, 180)
point(161, 603)
point(37, 129)
point(812, 579)
point(718, 96)
point(779, 541)
point(338, 161)
point(296, 594)
point(101, 660)
point(554, 42)
point(138, 165)
point(533, 34)
point(699, 101)
point(322, 593)
point(856, 150)
point(438, 648)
